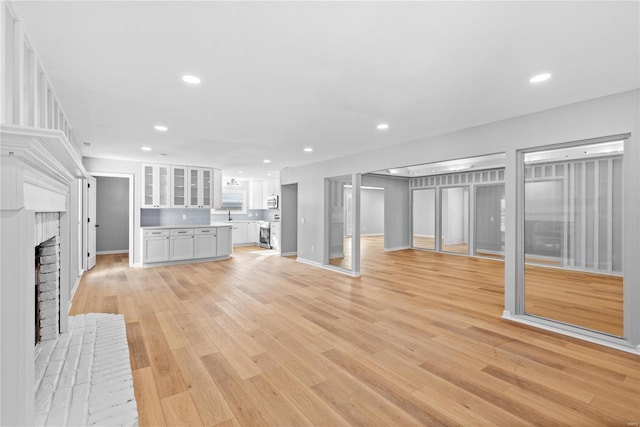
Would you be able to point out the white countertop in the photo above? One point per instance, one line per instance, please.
(166, 227)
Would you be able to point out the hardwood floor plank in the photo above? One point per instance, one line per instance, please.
(149, 407)
(137, 350)
(179, 410)
(166, 374)
(417, 340)
(206, 396)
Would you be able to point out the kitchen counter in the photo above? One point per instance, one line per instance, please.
(164, 227)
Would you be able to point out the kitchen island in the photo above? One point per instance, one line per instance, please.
(165, 245)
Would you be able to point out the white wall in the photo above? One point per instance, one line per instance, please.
(610, 115)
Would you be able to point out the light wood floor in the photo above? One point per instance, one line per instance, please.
(418, 340)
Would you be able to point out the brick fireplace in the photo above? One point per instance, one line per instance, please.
(47, 277)
(39, 204)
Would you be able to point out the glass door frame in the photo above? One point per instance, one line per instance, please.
(515, 259)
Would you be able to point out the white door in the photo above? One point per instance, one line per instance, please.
(91, 222)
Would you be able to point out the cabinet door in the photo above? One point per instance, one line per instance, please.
(240, 233)
(156, 249)
(195, 187)
(155, 186)
(223, 241)
(207, 188)
(181, 247)
(217, 189)
(179, 187)
(204, 243)
(256, 198)
(275, 236)
(254, 231)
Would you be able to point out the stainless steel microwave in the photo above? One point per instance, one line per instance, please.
(272, 202)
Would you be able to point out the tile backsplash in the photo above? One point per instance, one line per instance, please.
(171, 217)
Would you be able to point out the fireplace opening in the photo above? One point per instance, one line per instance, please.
(47, 290)
(37, 295)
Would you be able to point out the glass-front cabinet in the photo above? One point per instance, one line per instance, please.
(179, 187)
(156, 186)
(200, 187)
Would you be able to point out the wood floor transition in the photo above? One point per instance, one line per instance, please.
(417, 340)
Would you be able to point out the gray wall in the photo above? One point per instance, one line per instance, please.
(372, 212)
(397, 209)
(289, 208)
(112, 214)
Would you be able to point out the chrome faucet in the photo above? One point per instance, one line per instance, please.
(229, 215)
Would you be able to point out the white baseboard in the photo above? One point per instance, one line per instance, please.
(74, 289)
(121, 251)
(288, 253)
(372, 234)
(616, 343)
(309, 262)
(397, 248)
(328, 267)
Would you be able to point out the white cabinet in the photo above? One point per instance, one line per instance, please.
(156, 246)
(204, 243)
(183, 244)
(179, 187)
(156, 185)
(254, 233)
(275, 235)
(180, 244)
(240, 233)
(270, 187)
(217, 189)
(223, 241)
(256, 196)
(200, 182)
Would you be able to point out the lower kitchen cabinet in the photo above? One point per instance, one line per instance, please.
(204, 243)
(240, 233)
(156, 246)
(181, 244)
(223, 243)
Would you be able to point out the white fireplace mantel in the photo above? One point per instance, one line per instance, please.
(38, 165)
(38, 169)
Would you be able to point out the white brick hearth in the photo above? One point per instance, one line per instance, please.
(84, 376)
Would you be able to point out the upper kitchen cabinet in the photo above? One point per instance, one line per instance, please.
(201, 185)
(180, 196)
(156, 185)
(271, 187)
(257, 197)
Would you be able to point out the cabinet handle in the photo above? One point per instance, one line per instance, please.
(156, 232)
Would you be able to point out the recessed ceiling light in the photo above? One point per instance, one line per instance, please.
(239, 171)
(268, 174)
(383, 126)
(540, 78)
(267, 161)
(308, 149)
(146, 148)
(161, 128)
(191, 79)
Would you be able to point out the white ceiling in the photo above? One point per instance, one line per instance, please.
(281, 76)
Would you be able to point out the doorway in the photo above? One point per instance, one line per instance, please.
(112, 223)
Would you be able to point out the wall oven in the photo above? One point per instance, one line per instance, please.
(265, 235)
